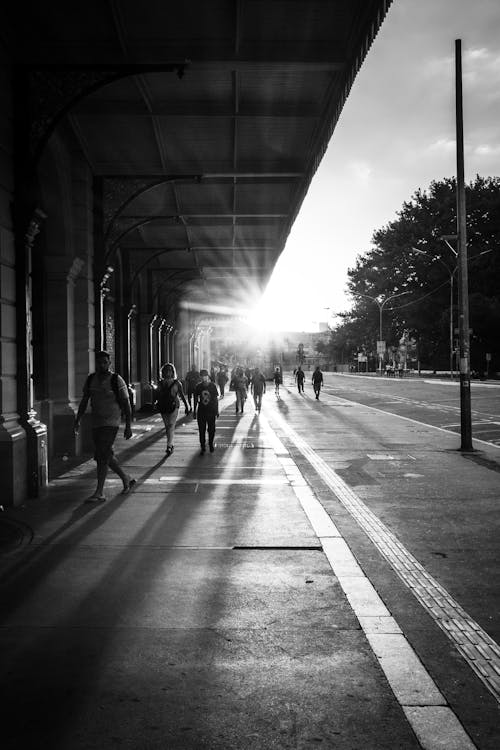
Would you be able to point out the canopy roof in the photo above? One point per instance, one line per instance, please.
(206, 121)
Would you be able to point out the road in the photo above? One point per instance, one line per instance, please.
(430, 402)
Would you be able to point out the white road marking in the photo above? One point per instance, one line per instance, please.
(415, 421)
(477, 648)
(410, 682)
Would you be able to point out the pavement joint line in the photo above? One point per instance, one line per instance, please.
(201, 480)
(408, 678)
(429, 589)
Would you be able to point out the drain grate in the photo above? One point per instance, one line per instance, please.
(14, 534)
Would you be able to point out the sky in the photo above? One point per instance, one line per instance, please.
(396, 134)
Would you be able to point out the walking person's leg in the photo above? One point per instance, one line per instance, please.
(202, 426)
(170, 420)
(211, 432)
(104, 438)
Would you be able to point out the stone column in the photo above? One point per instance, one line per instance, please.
(36, 431)
(145, 360)
(13, 486)
(62, 390)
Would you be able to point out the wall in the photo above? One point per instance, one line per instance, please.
(12, 437)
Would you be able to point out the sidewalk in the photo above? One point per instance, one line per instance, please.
(220, 606)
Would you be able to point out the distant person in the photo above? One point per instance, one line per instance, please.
(258, 387)
(108, 396)
(300, 377)
(240, 389)
(277, 381)
(169, 392)
(222, 380)
(317, 381)
(206, 410)
(192, 379)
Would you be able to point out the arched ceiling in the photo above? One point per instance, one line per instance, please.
(215, 118)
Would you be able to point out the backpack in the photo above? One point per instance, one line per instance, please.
(114, 386)
(166, 402)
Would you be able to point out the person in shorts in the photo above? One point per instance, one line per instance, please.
(277, 380)
(108, 396)
(169, 392)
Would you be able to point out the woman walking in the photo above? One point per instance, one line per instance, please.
(169, 392)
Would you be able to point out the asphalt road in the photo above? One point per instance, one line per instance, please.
(430, 402)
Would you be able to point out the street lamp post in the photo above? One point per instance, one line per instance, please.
(381, 306)
(451, 273)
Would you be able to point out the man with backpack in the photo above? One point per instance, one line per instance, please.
(108, 396)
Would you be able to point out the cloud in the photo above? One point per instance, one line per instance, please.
(435, 67)
(442, 145)
(484, 149)
(361, 171)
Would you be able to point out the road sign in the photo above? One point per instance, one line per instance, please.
(488, 357)
(380, 347)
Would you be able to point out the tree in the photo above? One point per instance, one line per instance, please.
(393, 266)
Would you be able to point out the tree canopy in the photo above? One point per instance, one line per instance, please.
(411, 263)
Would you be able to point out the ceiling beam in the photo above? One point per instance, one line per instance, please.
(127, 108)
(186, 215)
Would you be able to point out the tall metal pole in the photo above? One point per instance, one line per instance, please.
(451, 324)
(464, 341)
(380, 337)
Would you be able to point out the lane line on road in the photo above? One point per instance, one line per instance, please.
(414, 421)
(477, 648)
(433, 721)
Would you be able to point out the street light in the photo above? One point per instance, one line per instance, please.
(381, 306)
(451, 274)
(446, 238)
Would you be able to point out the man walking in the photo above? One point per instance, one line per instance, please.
(108, 396)
(192, 379)
(299, 377)
(258, 387)
(317, 381)
(206, 410)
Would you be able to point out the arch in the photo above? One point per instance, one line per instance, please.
(53, 92)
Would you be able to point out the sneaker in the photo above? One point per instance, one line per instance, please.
(202, 452)
(170, 450)
(212, 448)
